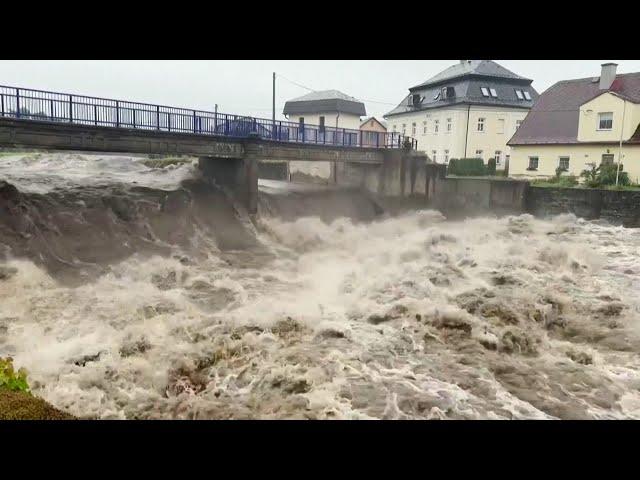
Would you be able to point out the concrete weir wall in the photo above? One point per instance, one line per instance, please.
(474, 195)
(399, 175)
(617, 207)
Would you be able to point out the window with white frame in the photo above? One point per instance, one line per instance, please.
(518, 123)
(533, 163)
(563, 163)
(498, 157)
(500, 126)
(478, 153)
(526, 95)
(485, 91)
(449, 124)
(605, 121)
(424, 127)
(446, 156)
(493, 92)
(481, 124)
(404, 129)
(519, 94)
(413, 129)
(436, 126)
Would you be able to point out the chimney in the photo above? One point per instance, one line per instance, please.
(607, 75)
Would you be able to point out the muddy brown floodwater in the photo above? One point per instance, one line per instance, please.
(159, 299)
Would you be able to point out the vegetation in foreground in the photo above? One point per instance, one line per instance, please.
(602, 177)
(16, 400)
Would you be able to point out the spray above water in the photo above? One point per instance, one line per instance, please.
(194, 314)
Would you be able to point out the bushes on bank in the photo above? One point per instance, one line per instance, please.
(467, 167)
(605, 175)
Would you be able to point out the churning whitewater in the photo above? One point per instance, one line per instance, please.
(133, 289)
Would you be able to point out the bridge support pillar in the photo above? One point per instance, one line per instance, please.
(238, 175)
(392, 174)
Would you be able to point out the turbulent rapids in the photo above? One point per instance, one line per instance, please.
(134, 289)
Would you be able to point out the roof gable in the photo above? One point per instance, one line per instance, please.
(367, 120)
(555, 116)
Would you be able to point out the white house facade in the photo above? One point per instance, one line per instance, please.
(328, 108)
(469, 110)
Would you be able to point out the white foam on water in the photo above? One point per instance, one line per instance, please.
(402, 318)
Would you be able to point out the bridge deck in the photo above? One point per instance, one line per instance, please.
(64, 108)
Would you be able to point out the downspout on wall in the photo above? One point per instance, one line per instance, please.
(466, 137)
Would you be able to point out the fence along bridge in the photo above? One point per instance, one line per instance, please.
(39, 105)
(61, 121)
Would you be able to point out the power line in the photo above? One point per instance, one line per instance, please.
(312, 90)
(295, 83)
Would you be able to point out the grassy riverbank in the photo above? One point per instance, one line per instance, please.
(16, 400)
(24, 406)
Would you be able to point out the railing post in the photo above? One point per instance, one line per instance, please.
(133, 110)
(157, 117)
(2, 102)
(95, 115)
(17, 103)
(117, 114)
(53, 113)
(377, 139)
(343, 142)
(280, 132)
(70, 108)
(169, 121)
(194, 121)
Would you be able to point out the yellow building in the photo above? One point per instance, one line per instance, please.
(471, 109)
(579, 123)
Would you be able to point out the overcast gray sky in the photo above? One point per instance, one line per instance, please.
(244, 86)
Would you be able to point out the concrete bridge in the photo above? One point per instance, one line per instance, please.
(230, 147)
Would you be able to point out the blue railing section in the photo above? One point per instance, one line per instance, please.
(29, 104)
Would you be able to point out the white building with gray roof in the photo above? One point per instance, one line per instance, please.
(470, 109)
(330, 108)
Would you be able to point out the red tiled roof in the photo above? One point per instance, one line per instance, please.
(554, 117)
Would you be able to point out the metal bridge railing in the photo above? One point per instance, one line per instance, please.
(29, 104)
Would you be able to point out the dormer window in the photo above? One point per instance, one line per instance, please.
(526, 95)
(494, 94)
(485, 91)
(605, 121)
(519, 94)
(437, 95)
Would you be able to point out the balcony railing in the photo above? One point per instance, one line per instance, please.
(28, 104)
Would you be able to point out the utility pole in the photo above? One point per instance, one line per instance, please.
(273, 111)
